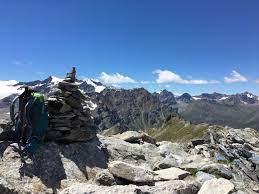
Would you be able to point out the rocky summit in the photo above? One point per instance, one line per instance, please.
(225, 161)
(69, 116)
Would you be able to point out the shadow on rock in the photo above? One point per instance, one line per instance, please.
(86, 155)
(56, 162)
(3, 147)
(47, 166)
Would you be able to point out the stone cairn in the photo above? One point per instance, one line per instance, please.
(69, 117)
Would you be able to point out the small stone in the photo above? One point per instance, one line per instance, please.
(105, 178)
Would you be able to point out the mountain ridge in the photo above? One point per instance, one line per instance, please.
(214, 108)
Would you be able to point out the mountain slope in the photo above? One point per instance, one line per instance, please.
(137, 109)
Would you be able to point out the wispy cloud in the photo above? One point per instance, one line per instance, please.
(166, 76)
(20, 63)
(145, 82)
(257, 81)
(116, 78)
(235, 77)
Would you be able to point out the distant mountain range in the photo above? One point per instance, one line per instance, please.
(117, 110)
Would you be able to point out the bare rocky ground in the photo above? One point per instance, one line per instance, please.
(225, 161)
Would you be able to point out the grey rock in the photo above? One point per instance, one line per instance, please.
(166, 163)
(130, 172)
(168, 187)
(145, 155)
(240, 166)
(218, 169)
(202, 177)
(171, 174)
(105, 178)
(71, 77)
(203, 149)
(135, 137)
(217, 186)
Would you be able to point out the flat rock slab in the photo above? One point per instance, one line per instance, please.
(171, 174)
(167, 187)
(217, 186)
(131, 172)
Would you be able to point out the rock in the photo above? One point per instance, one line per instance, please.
(145, 155)
(85, 188)
(175, 150)
(135, 137)
(255, 161)
(172, 187)
(218, 169)
(6, 187)
(171, 174)
(105, 178)
(130, 172)
(217, 186)
(166, 163)
(196, 142)
(226, 152)
(203, 149)
(65, 108)
(65, 86)
(240, 166)
(202, 177)
(71, 77)
(168, 187)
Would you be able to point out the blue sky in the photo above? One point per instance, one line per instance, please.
(183, 46)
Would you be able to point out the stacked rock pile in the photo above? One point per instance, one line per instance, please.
(69, 117)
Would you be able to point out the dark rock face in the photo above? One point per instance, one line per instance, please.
(69, 117)
(187, 98)
(135, 109)
(166, 97)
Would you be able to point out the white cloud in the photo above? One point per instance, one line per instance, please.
(257, 81)
(235, 77)
(7, 88)
(165, 76)
(115, 78)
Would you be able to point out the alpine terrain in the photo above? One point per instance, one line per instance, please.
(107, 140)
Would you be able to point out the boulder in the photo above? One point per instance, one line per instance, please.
(53, 168)
(217, 186)
(171, 174)
(145, 155)
(130, 172)
(218, 169)
(167, 162)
